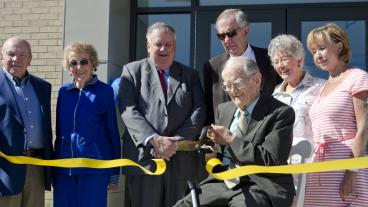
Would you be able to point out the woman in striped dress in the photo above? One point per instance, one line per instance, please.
(339, 121)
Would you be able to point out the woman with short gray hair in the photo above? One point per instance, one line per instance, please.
(299, 89)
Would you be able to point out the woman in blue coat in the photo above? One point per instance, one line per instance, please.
(85, 128)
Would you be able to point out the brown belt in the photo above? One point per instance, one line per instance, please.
(35, 152)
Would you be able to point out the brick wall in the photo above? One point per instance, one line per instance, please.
(41, 23)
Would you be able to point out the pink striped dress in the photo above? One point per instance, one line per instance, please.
(334, 129)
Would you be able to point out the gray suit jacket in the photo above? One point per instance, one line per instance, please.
(267, 142)
(145, 112)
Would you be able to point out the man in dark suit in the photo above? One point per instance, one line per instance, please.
(25, 125)
(233, 28)
(252, 129)
(161, 102)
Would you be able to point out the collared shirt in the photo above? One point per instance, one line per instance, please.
(29, 108)
(301, 99)
(234, 123)
(250, 53)
(115, 86)
(91, 82)
(233, 129)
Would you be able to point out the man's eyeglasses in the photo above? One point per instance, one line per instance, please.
(284, 61)
(74, 63)
(237, 84)
(230, 34)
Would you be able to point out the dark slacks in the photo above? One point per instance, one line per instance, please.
(155, 191)
(218, 194)
(164, 190)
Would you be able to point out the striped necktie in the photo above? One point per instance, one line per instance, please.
(242, 123)
(240, 131)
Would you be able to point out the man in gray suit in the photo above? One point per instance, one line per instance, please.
(161, 102)
(252, 129)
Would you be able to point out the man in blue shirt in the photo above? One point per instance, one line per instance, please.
(25, 125)
(115, 86)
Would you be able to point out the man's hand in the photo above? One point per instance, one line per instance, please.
(219, 134)
(164, 147)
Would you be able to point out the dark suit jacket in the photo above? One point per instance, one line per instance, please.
(145, 112)
(212, 80)
(267, 142)
(12, 140)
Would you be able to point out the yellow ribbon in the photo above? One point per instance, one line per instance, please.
(84, 162)
(343, 164)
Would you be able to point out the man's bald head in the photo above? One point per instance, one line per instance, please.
(16, 56)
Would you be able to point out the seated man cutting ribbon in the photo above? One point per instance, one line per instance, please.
(252, 129)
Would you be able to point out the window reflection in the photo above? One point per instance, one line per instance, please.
(181, 24)
(163, 3)
(356, 34)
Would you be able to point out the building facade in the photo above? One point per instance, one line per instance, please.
(117, 28)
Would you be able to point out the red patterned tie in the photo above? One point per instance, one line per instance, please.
(163, 82)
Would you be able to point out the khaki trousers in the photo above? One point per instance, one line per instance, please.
(33, 194)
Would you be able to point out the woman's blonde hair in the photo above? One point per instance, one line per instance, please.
(330, 33)
(81, 47)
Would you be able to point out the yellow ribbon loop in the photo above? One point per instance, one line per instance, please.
(343, 164)
(84, 162)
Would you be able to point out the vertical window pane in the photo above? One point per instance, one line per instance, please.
(260, 35)
(356, 32)
(180, 22)
(163, 3)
